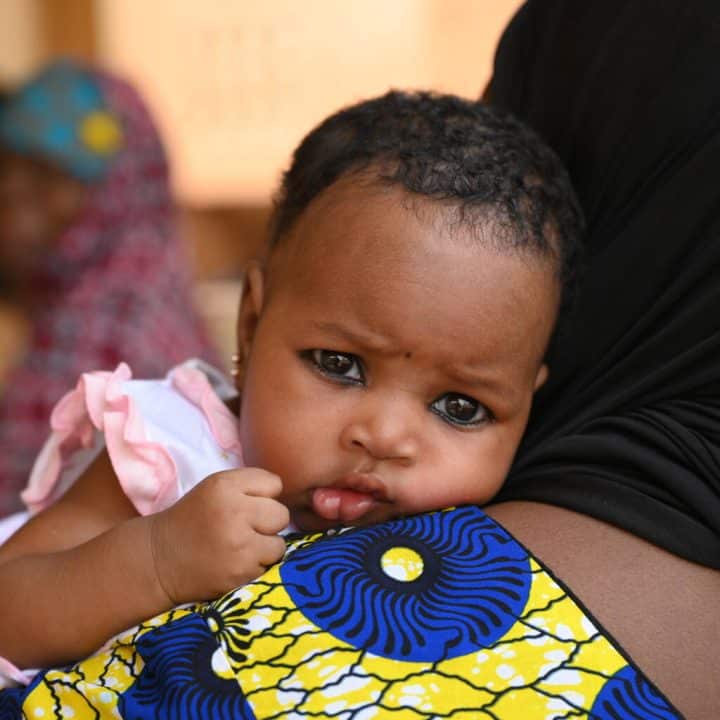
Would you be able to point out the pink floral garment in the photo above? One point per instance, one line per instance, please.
(117, 287)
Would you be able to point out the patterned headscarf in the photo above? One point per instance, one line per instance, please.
(116, 285)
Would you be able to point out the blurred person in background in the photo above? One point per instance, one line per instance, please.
(89, 250)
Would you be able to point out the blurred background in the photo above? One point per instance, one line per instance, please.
(235, 84)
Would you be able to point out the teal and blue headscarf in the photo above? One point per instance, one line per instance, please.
(61, 116)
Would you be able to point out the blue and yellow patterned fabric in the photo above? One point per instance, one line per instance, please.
(441, 615)
(61, 115)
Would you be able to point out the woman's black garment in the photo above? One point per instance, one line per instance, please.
(627, 428)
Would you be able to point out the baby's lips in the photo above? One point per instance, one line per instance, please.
(340, 504)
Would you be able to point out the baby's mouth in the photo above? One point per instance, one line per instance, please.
(347, 504)
(341, 505)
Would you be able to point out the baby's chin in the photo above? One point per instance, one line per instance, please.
(303, 522)
(307, 521)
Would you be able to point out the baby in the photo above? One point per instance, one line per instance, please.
(389, 346)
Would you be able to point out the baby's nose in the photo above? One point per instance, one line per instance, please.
(387, 428)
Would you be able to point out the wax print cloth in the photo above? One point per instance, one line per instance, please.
(442, 615)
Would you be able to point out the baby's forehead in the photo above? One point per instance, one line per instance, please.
(363, 215)
(384, 261)
(361, 242)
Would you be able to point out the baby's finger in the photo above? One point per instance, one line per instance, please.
(271, 549)
(260, 483)
(268, 517)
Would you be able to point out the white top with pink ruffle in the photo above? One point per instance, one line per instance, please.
(163, 437)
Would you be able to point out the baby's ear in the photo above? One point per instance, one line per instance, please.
(541, 377)
(251, 302)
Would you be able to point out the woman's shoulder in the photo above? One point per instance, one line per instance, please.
(661, 609)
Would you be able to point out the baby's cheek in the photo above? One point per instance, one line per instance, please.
(251, 435)
(475, 475)
(266, 447)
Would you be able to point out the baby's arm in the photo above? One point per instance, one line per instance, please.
(89, 566)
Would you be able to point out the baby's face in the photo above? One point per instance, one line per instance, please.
(392, 365)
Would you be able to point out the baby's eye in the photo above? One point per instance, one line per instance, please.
(343, 366)
(460, 409)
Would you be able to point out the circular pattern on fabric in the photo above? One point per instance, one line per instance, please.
(630, 696)
(61, 115)
(100, 132)
(474, 583)
(184, 676)
(227, 622)
(402, 563)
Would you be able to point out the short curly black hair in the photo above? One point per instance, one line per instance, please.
(448, 149)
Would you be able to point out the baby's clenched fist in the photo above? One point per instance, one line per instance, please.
(221, 535)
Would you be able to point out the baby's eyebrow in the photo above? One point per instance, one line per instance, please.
(481, 379)
(369, 340)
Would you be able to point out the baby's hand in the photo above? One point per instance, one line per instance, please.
(221, 535)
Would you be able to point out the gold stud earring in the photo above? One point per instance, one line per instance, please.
(235, 370)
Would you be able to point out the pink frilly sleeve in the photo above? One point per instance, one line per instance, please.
(100, 406)
(145, 469)
(194, 385)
